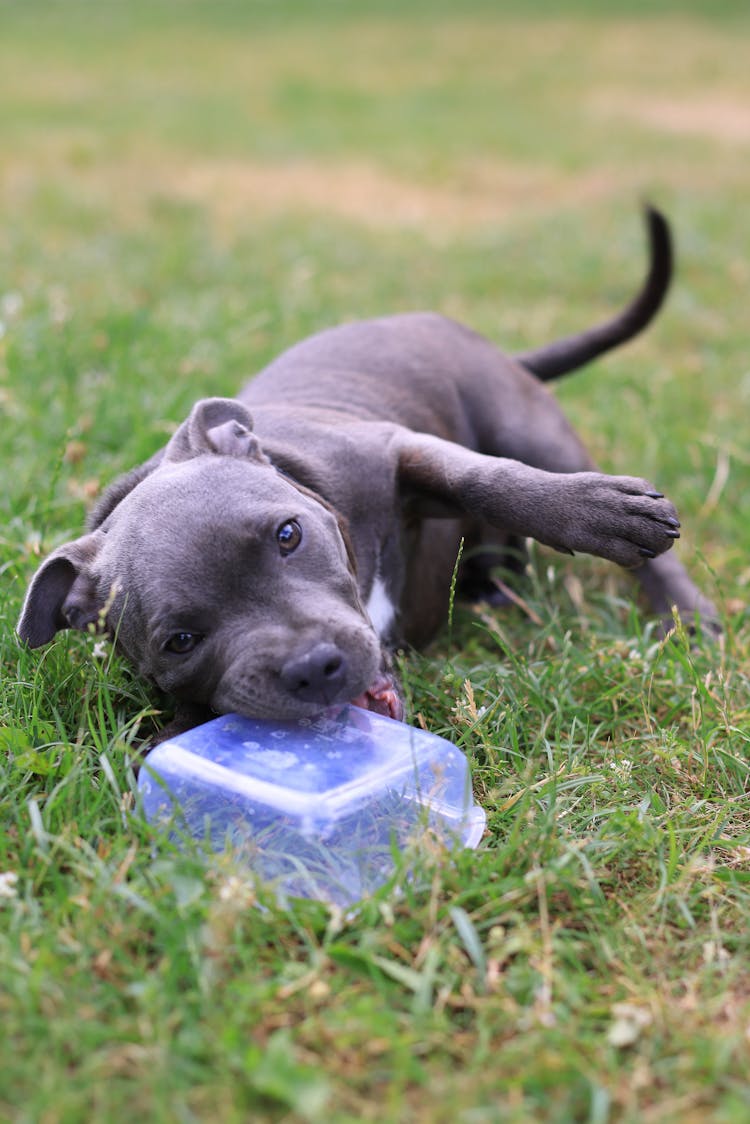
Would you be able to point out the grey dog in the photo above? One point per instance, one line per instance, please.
(268, 562)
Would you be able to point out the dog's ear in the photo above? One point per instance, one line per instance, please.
(215, 425)
(62, 593)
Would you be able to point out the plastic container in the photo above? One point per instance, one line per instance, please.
(320, 807)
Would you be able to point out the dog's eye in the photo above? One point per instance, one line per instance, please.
(289, 536)
(182, 643)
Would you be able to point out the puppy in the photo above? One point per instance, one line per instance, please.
(268, 559)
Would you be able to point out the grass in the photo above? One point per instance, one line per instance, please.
(188, 188)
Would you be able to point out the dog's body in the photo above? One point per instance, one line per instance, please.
(284, 541)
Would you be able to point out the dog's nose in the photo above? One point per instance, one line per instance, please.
(316, 675)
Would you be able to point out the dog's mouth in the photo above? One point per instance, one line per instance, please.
(382, 697)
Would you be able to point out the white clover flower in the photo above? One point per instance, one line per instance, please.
(622, 768)
(8, 884)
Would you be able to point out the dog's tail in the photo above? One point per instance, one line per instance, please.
(561, 356)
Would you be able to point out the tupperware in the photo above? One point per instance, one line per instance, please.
(320, 807)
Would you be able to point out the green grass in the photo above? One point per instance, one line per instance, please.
(186, 189)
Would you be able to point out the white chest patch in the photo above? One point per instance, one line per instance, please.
(380, 607)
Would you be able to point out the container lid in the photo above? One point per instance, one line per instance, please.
(323, 765)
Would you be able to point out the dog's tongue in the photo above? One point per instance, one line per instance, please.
(383, 698)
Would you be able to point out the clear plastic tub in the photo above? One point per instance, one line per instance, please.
(319, 807)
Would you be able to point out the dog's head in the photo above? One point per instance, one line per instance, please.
(220, 578)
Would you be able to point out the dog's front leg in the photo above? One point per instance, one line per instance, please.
(621, 518)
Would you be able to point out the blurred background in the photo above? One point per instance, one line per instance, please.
(189, 186)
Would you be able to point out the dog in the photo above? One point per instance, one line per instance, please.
(269, 559)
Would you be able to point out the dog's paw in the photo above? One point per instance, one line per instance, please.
(621, 518)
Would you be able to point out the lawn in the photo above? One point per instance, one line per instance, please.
(188, 187)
